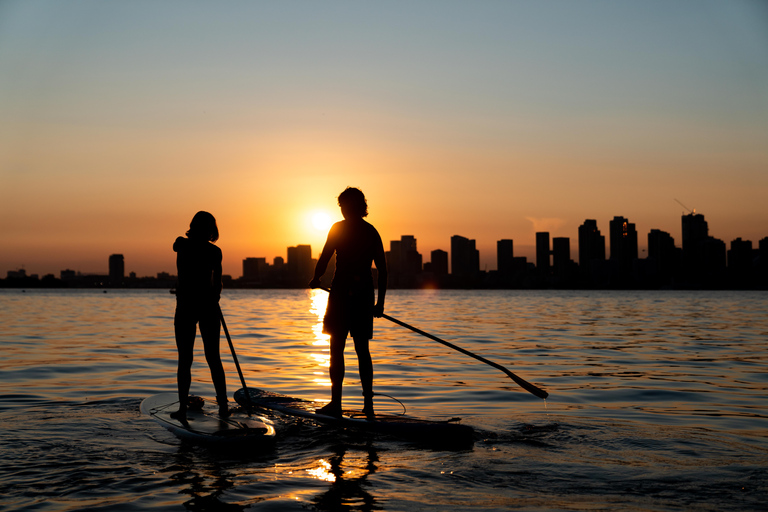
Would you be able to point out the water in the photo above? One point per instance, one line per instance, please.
(657, 402)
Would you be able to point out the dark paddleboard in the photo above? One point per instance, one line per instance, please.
(205, 425)
(406, 427)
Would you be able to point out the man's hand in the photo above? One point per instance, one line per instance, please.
(315, 283)
(378, 310)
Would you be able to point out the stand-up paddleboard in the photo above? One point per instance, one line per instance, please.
(204, 425)
(406, 427)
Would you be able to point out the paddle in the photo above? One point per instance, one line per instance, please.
(237, 364)
(520, 382)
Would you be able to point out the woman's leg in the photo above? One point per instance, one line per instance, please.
(185, 330)
(210, 330)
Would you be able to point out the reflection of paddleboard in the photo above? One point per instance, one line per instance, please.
(205, 425)
(437, 432)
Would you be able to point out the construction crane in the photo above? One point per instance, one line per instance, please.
(689, 210)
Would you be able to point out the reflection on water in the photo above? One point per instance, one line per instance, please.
(657, 402)
(323, 471)
(318, 303)
(348, 471)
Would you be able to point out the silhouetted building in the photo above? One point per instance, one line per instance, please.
(404, 263)
(592, 264)
(543, 253)
(116, 269)
(623, 239)
(561, 255)
(465, 258)
(714, 259)
(695, 230)
(704, 257)
(591, 243)
(439, 260)
(17, 274)
(740, 257)
(254, 270)
(505, 257)
(299, 265)
(663, 258)
(661, 245)
(762, 262)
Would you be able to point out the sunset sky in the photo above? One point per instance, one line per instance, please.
(490, 120)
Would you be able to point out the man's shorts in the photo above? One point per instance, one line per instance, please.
(350, 313)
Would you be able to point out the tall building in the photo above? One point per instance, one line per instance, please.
(299, 264)
(740, 257)
(543, 252)
(762, 262)
(561, 255)
(661, 245)
(663, 257)
(116, 269)
(465, 258)
(404, 262)
(623, 240)
(591, 243)
(505, 257)
(704, 257)
(439, 260)
(695, 231)
(254, 269)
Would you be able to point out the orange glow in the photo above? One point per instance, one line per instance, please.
(321, 221)
(322, 360)
(322, 471)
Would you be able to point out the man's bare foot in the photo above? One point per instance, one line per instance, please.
(330, 409)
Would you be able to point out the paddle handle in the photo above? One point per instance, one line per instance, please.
(234, 356)
(520, 382)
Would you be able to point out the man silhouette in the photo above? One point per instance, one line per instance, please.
(351, 307)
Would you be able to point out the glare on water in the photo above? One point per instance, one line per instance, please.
(657, 402)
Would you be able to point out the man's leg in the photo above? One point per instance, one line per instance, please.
(365, 365)
(336, 371)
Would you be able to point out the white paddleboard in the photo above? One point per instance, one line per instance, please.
(205, 425)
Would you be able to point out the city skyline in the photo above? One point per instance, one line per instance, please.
(621, 244)
(492, 120)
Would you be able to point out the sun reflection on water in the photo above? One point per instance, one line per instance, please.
(322, 359)
(323, 471)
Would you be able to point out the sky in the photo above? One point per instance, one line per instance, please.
(490, 120)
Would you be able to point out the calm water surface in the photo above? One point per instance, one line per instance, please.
(657, 402)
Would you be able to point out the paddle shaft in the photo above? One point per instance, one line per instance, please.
(520, 382)
(234, 356)
(536, 391)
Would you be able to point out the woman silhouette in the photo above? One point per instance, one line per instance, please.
(350, 309)
(198, 263)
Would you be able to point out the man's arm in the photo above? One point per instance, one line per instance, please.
(380, 260)
(325, 257)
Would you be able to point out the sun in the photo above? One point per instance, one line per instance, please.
(321, 221)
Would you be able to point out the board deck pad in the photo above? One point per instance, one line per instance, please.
(205, 425)
(407, 427)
